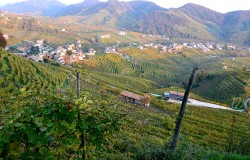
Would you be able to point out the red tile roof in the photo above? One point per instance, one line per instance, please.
(132, 95)
(176, 93)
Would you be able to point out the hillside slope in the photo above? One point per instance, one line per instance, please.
(229, 27)
(145, 132)
(19, 75)
(172, 70)
(112, 13)
(173, 24)
(76, 8)
(37, 7)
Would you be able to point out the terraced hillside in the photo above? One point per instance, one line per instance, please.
(149, 129)
(19, 75)
(169, 69)
(143, 130)
(223, 87)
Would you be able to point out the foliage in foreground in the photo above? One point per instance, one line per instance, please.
(187, 151)
(51, 128)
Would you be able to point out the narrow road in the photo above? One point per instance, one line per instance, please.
(246, 104)
(194, 102)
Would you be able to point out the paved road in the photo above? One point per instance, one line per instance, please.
(194, 102)
(246, 104)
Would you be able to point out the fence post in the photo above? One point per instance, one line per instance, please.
(182, 110)
(78, 85)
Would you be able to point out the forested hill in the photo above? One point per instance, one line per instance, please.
(194, 21)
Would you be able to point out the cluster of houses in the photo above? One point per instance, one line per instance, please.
(162, 48)
(110, 50)
(5, 16)
(176, 47)
(67, 54)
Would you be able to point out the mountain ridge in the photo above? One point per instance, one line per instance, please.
(190, 21)
(37, 7)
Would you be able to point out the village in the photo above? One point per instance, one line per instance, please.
(68, 54)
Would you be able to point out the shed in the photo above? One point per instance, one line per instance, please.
(132, 97)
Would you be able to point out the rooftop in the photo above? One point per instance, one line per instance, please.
(132, 95)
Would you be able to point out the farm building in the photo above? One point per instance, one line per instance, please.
(104, 36)
(173, 95)
(135, 98)
(6, 36)
(122, 33)
(91, 52)
(177, 47)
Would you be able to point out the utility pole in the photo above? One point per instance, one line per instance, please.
(182, 110)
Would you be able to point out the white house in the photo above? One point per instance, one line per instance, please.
(6, 36)
(40, 41)
(178, 47)
(110, 50)
(122, 33)
(104, 36)
(148, 45)
(91, 52)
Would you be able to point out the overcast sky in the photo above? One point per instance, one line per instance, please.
(218, 5)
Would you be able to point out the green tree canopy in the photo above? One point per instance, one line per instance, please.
(3, 42)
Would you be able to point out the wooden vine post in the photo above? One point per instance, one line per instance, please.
(78, 85)
(82, 145)
(182, 110)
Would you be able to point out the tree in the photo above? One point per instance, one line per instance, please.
(34, 50)
(147, 100)
(69, 52)
(3, 42)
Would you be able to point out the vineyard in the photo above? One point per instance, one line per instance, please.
(142, 129)
(35, 97)
(152, 127)
(19, 75)
(168, 70)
